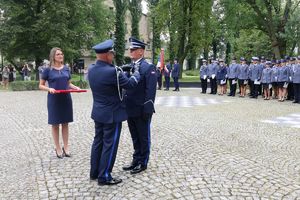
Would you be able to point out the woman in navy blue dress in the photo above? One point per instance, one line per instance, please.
(60, 111)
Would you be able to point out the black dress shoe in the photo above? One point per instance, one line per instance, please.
(229, 95)
(139, 168)
(93, 178)
(113, 181)
(66, 154)
(129, 167)
(60, 156)
(295, 101)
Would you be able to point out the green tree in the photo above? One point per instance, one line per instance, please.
(31, 28)
(183, 21)
(121, 6)
(271, 17)
(135, 9)
(155, 30)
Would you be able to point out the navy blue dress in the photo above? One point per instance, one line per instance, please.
(59, 106)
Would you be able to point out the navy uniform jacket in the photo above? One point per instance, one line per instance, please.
(266, 75)
(232, 72)
(243, 71)
(256, 72)
(290, 67)
(283, 74)
(167, 73)
(107, 106)
(296, 73)
(222, 72)
(140, 100)
(203, 71)
(175, 71)
(274, 74)
(212, 69)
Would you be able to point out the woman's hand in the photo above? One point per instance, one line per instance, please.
(51, 90)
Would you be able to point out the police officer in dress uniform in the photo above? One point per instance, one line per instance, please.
(140, 107)
(159, 77)
(106, 82)
(290, 89)
(242, 76)
(204, 76)
(232, 74)
(167, 71)
(175, 74)
(255, 77)
(212, 73)
(296, 80)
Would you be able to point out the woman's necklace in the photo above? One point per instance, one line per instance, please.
(59, 69)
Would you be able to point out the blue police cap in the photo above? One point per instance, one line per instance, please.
(255, 58)
(298, 57)
(278, 62)
(204, 60)
(136, 44)
(242, 59)
(104, 47)
(268, 63)
(282, 60)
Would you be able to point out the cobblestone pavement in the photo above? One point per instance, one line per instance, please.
(213, 151)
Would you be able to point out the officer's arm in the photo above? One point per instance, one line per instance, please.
(150, 91)
(126, 82)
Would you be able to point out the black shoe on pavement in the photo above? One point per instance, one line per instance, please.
(113, 181)
(139, 168)
(129, 167)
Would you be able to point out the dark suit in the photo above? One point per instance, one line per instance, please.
(108, 113)
(140, 107)
(175, 75)
(167, 72)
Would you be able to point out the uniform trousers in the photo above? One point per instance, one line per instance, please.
(256, 89)
(140, 134)
(159, 82)
(251, 87)
(296, 87)
(176, 83)
(213, 86)
(232, 87)
(104, 150)
(204, 85)
(167, 82)
(290, 91)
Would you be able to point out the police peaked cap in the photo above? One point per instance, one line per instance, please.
(136, 44)
(104, 47)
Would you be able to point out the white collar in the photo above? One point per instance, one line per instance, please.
(137, 61)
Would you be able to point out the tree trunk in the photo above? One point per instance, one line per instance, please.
(215, 48)
(205, 53)
(275, 47)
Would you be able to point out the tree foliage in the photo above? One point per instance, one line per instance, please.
(185, 22)
(135, 9)
(269, 16)
(121, 7)
(31, 28)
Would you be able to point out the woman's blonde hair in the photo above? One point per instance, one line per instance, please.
(52, 55)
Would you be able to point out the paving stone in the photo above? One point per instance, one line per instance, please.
(207, 147)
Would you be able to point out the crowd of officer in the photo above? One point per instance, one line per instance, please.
(277, 79)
